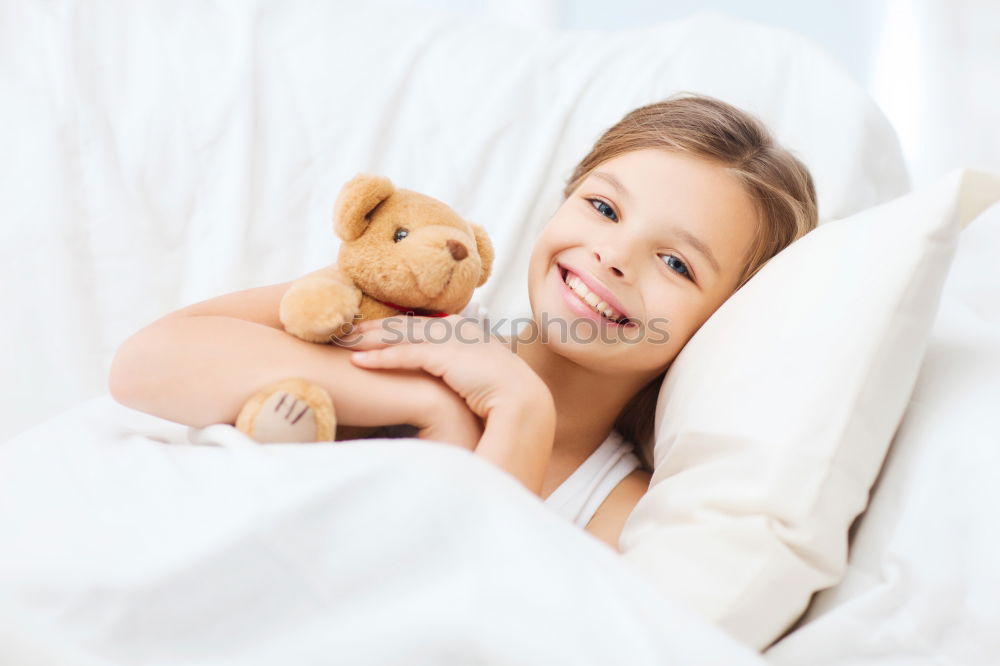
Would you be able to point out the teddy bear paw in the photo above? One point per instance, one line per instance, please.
(292, 410)
(325, 329)
(319, 308)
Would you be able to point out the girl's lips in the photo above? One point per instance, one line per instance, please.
(595, 287)
(578, 306)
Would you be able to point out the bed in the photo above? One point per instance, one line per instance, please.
(158, 154)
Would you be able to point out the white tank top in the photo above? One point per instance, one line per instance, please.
(579, 496)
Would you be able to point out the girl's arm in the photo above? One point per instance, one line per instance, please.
(519, 435)
(198, 365)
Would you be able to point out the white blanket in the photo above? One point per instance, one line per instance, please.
(121, 542)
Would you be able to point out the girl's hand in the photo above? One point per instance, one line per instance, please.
(477, 366)
(444, 417)
(496, 384)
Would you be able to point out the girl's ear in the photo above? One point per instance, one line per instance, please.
(485, 248)
(357, 199)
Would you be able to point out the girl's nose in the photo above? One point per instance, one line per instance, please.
(605, 259)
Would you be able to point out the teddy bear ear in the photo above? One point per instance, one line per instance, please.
(485, 247)
(357, 199)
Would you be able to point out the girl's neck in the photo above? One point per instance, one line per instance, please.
(587, 402)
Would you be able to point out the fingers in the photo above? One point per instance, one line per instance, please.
(403, 357)
(368, 334)
(362, 342)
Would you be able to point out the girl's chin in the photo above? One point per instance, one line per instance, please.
(584, 336)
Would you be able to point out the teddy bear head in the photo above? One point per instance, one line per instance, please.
(407, 248)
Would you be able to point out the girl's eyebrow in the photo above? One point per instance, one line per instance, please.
(699, 245)
(612, 181)
(680, 232)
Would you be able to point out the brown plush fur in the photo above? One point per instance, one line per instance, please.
(435, 267)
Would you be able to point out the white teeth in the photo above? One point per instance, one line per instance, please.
(589, 297)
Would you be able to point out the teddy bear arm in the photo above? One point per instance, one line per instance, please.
(318, 305)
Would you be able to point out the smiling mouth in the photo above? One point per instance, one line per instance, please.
(591, 300)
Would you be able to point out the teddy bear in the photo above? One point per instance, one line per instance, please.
(401, 252)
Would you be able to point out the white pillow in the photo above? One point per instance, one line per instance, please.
(773, 421)
(923, 563)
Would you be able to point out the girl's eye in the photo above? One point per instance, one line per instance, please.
(400, 234)
(679, 266)
(604, 209)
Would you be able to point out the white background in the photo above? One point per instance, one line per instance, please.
(932, 65)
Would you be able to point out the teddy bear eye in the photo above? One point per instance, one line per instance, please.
(400, 234)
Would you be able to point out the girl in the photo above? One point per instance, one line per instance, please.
(674, 209)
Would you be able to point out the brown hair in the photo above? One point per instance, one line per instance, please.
(778, 183)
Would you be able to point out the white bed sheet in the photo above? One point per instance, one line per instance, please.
(122, 543)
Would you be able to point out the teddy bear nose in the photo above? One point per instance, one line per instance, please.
(458, 251)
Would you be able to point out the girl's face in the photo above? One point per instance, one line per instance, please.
(654, 239)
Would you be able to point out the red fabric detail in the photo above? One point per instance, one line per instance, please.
(419, 312)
